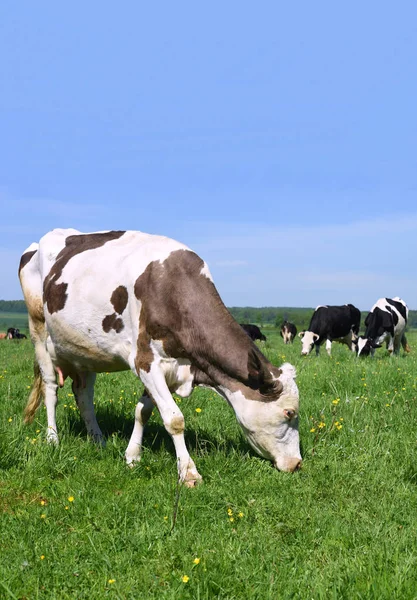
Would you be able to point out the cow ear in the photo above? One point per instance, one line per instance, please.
(260, 377)
(301, 334)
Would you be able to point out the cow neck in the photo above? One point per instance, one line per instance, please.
(182, 308)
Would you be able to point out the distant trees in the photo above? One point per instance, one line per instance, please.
(272, 315)
(15, 306)
(265, 315)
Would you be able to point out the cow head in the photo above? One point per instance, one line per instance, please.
(366, 346)
(271, 428)
(308, 340)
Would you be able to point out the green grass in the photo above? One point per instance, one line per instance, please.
(13, 319)
(343, 527)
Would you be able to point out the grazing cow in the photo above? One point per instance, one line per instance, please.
(119, 300)
(288, 332)
(387, 321)
(253, 332)
(14, 334)
(331, 323)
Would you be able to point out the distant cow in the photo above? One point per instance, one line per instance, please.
(120, 300)
(14, 334)
(253, 332)
(3, 336)
(387, 321)
(288, 332)
(331, 324)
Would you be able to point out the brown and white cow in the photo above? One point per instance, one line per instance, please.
(118, 300)
(3, 336)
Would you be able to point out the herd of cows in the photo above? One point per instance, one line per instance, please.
(386, 321)
(126, 300)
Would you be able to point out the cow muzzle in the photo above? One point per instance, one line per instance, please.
(289, 464)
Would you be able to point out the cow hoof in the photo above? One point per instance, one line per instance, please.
(99, 440)
(192, 479)
(192, 483)
(132, 461)
(52, 437)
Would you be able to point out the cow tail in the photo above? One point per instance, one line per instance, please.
(35, 396)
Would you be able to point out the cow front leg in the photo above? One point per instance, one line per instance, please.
(329, 347)
(83, 390)
(143, 412)
(154, 382)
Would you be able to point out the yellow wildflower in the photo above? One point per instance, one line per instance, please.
(336, 402)
(312, 430)
(42, 557)
(240, 514)
(198, 410)
(185, 579)
(70, 498)
(112, 581)
(43, 516)
(196, 561)
(321, 425)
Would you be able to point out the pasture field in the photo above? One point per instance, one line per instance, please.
(14, 319)
(77, 523)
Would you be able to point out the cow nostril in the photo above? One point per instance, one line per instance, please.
(289, 413)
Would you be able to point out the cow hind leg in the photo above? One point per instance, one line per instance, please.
(44, 384)
(404, 344)
(83, 390)
(154, 382)
(143, 413)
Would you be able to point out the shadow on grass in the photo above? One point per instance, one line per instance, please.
(156, 437)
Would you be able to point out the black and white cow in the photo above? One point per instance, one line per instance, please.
(253, 332)
(288, 332)
(331, 324)
(120, 300)
(386, 321)
(14, 334)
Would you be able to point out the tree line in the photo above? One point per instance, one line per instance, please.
(266, 315)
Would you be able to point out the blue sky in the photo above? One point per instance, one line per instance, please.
(278, 141)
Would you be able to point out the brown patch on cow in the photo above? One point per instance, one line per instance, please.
(113, 322)
(182, 308)
(119, 299)
(25, 259)
(144, 355)
(55, 295)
